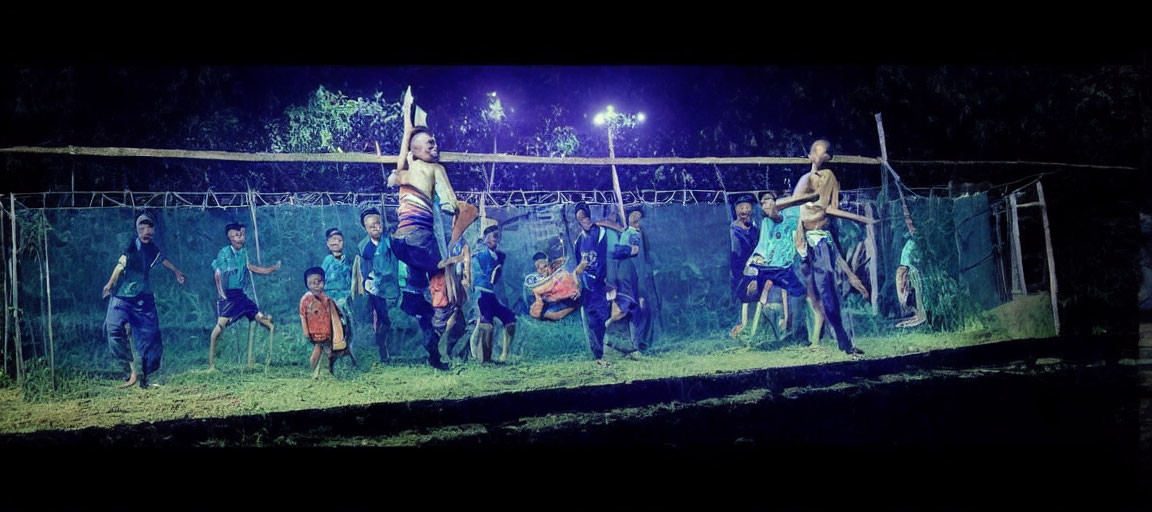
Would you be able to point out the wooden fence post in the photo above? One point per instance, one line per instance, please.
(1018, 286)
(870, 250)
(1051, 258)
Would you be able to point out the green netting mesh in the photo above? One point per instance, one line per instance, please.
(688, 248)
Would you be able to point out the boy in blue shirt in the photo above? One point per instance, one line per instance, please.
(486, 266)
(133, 304)
(773, 260)
(230, 270)
(377, 273)
(592, 244)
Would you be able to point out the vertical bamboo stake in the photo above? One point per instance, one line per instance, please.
(1018, 286)
(3, 235)
(43, 318)
(616, 178)
(256, 236)
(255, 229)
(1003, 284)
(870, 250)
(19, 353)
(1051, 258)
(48, 288)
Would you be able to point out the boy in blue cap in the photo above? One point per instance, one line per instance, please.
(132, 303)
(230, 270)
(743, 235)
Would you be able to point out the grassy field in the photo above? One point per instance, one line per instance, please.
(89, 398)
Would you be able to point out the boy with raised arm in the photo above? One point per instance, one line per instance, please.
(132, 303)
(230, 270)
(419, 177)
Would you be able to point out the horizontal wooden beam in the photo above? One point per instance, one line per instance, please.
(446, 157)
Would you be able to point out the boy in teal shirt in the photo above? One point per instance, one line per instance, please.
(231, 268)
(337, 268)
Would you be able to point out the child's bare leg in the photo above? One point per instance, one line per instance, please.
(476, 342)
(509, 333)
(266, 321)
(817, 318)
(558, 315)
(615, 316)
(132, 375)
(784, 322)
(743, 320)
(760, 306)
(314, 359)
(756, 320)
(221, 323)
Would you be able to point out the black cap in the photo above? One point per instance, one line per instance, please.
(745, 198)
(582, 206)
(367, 212)
(332, 231)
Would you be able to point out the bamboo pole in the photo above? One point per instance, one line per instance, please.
(255, 229)
(15, 294)
(3, 236)
(43, 324)
(48, 288)
(616, 178)
(1003, 284)
(1018, 286)
(870, 250)
(1051, 256)
(445, 157)
(450, 157)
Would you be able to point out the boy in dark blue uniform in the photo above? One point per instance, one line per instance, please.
(486, 267)
(377, 277)
(743, 236)
(133, 304)
(592, 243)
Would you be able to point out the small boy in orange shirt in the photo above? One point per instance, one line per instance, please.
(320, 320)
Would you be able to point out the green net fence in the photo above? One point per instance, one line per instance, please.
(960, 267)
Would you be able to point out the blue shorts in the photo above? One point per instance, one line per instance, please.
(784, 277)
(491, 308)
(235, 305)
(562, 305)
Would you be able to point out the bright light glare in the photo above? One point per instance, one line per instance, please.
(640, 117)
(599, 119)
(610, 109)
